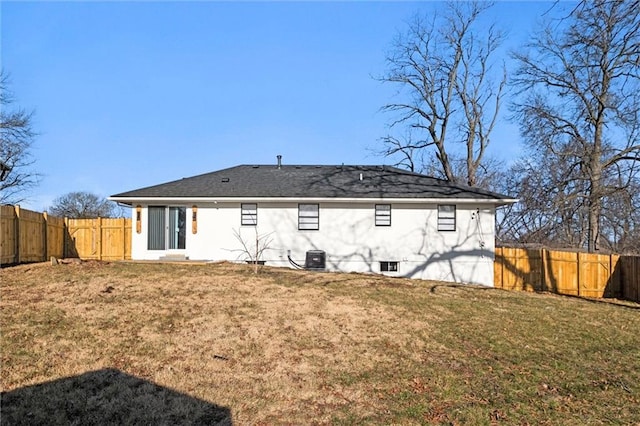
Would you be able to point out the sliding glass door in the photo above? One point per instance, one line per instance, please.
(177, 234)
(167, 228)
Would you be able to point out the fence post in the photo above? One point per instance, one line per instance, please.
(502, 263)
(65, 244)
(636, 268)
(611, 279)
(578, 273)
(17, 233)
(124, 237)
(45, 230)
(615, 279)
(99, 237)
(543, 272)
(545, 265)
(633, 281)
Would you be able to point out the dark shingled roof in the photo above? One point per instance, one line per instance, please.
(249, 181)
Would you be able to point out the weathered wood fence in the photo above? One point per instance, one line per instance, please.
(570, 273)
(27, 236)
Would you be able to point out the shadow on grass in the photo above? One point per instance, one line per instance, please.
(622, 303)
(107, 397)
(465, 287)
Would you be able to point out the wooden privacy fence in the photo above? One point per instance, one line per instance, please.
(27, 236)
(570, 273)
(100, 238)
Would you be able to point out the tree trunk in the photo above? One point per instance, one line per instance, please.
(595, 177)
(594, 226)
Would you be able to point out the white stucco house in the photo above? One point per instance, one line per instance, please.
(376, 219)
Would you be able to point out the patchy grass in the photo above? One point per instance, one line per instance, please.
(106, 343)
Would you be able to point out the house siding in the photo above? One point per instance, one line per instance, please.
(348, 235)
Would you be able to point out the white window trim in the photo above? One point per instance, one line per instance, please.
(383, 215)
(306, 221)
(447, 219)
(249, 214)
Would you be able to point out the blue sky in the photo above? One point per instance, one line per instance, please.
(131, 94)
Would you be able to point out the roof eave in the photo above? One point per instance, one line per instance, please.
(506, 201)
(169, 200)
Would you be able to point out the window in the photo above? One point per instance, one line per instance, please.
(249, 213)
(388, 266)
(308, 217)
(447, 217)
(383, 214)
(167, 228)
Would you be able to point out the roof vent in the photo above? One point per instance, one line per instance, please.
(279, 157)
(225, 180)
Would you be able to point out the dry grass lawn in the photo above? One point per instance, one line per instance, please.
(113, 343)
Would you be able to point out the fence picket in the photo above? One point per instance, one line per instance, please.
(569, 273)
(28, 236)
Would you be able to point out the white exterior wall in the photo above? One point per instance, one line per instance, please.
(349, 237)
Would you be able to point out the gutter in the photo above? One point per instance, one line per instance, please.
(215, 200)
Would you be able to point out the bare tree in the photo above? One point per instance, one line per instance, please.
(546, 214)
(410, 155)
(253, 251)
(620, 220)
(16, 139)
(451, 100)
(579, 83)
(557, 215)
(79, 205)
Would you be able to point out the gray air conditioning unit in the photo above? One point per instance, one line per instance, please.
(315, 259)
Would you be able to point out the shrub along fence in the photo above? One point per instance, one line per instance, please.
(569, 273)
(28, 236)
